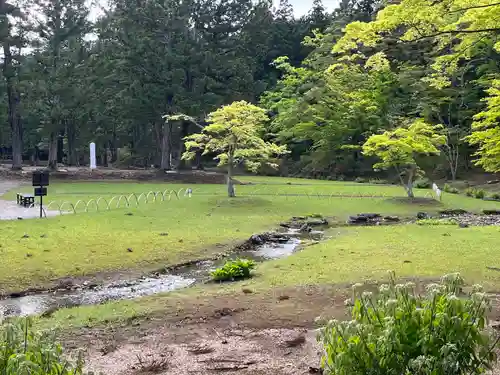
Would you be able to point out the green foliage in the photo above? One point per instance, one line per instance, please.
(400, 147)
(495, 196)
(479, 193)
(486, 131)
(450, 189)
(234, 270)
(26, 352)
(476, 193)
(437, 222)
(423, 183)
(234, 135)
(360, 180)
(470, 192)
(398, 331)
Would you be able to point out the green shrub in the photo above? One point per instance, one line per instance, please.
(360, 180)
(24, 351)
(436, 222)
(450, 189)
(422, 183)
(495, 196)
(234, 270)
(401, 332)
(470, 192)
(479, 193)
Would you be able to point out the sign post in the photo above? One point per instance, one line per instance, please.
(40, 180)
(92, 156)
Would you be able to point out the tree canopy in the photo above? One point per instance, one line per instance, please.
(147, 74)
(234, 136)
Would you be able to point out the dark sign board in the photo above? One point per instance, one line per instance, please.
(40, 178)
(40, 192)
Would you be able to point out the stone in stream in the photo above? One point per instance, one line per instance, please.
(422, 215)
(256, 240)
(364, 218)
(392, 219)
(316, 222)
(491, 212)
(453, 212)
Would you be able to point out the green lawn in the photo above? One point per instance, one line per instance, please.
(197, 227)
(351, 255)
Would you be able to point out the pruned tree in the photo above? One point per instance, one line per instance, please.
(234, 135)
(400, 148)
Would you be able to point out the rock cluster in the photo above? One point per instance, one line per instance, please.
(372, 219)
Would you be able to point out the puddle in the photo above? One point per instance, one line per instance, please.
(282, 244)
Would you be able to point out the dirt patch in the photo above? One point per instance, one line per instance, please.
(257, 333)
(419, 201)
(85, 174)
(247, 333)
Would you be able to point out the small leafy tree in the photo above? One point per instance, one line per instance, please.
(399, 332)
(234, 135)
(399, 149)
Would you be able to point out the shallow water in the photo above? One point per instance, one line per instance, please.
(182, 277)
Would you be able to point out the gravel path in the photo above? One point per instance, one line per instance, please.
(9, 210)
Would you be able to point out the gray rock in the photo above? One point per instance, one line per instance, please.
(453, 212)
(422, 215)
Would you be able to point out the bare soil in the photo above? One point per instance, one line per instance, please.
(103, 173)
(240, 334)
(248, 333)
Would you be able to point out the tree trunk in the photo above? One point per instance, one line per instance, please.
(72, 154)
(409, 182)
(52, 165)
(183, 134)
(166, 147)
(17, 141)
(198, 161)
(230, 183)
(14, 117)
(60, 147)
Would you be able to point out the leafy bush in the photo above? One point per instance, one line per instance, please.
(24, 351)
(476, 193)
(423, 183)
(437, 222)
(470, 192)
(234, 270)
(450, 189)
(400, 332)
(360, 180)
(495, 196)
(479, 193)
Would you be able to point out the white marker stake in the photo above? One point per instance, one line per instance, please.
(92, 156)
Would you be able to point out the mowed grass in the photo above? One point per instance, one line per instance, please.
(351, 255)
(36, 252)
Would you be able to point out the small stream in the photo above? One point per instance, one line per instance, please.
(275, 246)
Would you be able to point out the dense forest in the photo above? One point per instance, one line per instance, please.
(147, 73)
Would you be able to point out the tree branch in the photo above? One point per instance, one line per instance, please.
(474, 7)
(457, 32)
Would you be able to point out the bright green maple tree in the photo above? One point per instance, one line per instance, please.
(486, 132)
(234, 136)
(400, 148)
